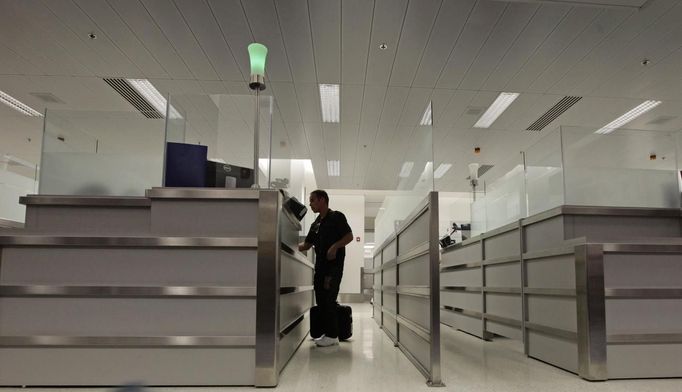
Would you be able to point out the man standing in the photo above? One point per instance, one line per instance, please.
(329, 234)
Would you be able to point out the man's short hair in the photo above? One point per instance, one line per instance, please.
(320, 194)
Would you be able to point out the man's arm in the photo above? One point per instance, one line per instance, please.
(303, 246)
(345, 240)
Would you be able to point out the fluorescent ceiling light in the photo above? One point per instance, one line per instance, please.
(441, 170)
(426, 117)
(18, 105)
(406, 170)
(498, 107)
(329, 101)
(153, 96)
(333, 168)
(629, 116)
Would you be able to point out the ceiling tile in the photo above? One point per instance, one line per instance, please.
(325, 17)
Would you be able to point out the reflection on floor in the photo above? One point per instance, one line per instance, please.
(370, 363)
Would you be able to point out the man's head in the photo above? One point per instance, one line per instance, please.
(319, 200)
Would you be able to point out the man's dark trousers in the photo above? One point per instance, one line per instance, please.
(326, 301)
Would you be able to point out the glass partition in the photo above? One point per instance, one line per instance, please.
(504, 199)
(576, 166)
(624, 168)
(224, 125)
(17, 178)
(544, 174)
(100, 153)
(405, 168)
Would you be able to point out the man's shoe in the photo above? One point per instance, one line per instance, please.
(318, 339)
(327, 341)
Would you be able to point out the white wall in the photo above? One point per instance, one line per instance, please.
(353, 206)
(12, 187)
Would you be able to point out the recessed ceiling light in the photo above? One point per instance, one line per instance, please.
(500, 104)
(627, 117)
(406, 169)
(329, 101)
(18, 105)
(153, 96)
(441, 170)
(383, 46)
(333, 168)
(426, 117)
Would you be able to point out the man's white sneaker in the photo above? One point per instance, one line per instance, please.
(318, 339)
(327, 341)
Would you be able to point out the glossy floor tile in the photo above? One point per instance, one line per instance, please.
(369, 362)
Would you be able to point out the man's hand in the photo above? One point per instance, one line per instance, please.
(331, 253)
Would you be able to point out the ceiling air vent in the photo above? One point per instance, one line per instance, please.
(553, 113)
(47, 97)
(482, 169)
(131, 95)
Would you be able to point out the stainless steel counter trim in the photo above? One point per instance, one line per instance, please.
(503, 260)
(10, 224)
(418, 211)
(384, 244)
(389, 312)
(187, 242)
(126, 291)
(417, 251)
(501, 230)
(85, 201)
(550, 292)
(643, 293)
(545, 253)
(562, 333)
(389, 264)
(645, 338)
(289, 327)
(414, 327)
(465, 312)
(556, 211)
(414, 290)
(502, 290)
(298, 256)
(127, 341)
(591, 312)
(268, 285)
(294, 289)
(462, 289)
(675, 246)
(503, 320)
(621, 211)
(203, 193)
(463, 244)
(454, 267)
(603, 211)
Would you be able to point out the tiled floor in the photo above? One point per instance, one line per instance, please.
(370, 363)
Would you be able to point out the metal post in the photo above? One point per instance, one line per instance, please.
(267, 289)
(256, 141)
(434, 295)
(591, 308)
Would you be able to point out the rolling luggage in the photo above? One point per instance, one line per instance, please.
(345, 318)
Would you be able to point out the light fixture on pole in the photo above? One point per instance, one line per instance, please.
(473, 177)
(257, 54)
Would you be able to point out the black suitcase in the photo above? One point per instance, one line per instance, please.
(345, 318)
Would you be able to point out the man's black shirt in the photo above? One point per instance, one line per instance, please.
(323, 234)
